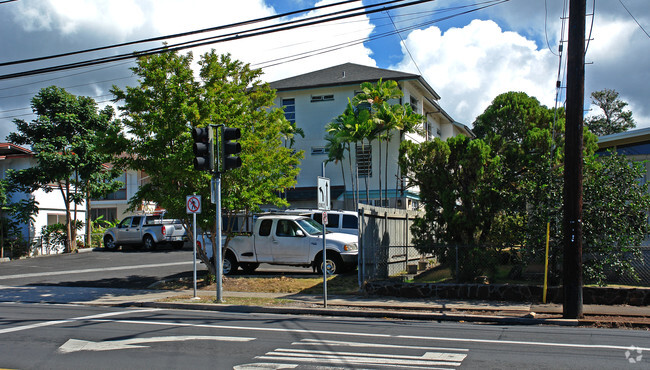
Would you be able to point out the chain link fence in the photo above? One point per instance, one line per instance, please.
(385, 243)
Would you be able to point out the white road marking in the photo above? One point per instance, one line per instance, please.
(265, 366)
(438, 356)
(372, 335)
(76, 345)
(499, 341)
(357, 360)
(64, 321)
(85, 271)
(330, 343)
(231, 327)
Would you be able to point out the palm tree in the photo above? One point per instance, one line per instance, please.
(335, 153)
(377, 96)
(347, 129)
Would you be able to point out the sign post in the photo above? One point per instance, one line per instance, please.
(323, 197)
(193, 205)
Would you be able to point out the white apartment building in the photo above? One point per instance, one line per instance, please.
(314, 99)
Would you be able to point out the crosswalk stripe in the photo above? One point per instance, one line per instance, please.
(354, 360)
(316, 342)
(440, 356)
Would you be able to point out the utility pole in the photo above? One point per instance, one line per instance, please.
(572, 269)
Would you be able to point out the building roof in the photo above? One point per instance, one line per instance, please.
(8, 149)
(346, 74)
(624, 138)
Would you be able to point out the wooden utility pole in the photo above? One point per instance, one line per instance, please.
(572, 271)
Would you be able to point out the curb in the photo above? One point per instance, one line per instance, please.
(384, 314)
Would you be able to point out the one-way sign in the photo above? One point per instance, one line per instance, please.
(323, 193)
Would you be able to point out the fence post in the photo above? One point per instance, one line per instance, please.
(457, 274)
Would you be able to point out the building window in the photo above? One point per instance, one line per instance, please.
(364, 160)
(107, 214)
(317, 98)
(289, 109)
(55, 218)
(119, 194)
(415, 104)
(318, 150)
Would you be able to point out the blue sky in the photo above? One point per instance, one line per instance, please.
(467, 59)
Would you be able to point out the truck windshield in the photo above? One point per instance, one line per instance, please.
(310, 226)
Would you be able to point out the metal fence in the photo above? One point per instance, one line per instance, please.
(385, 243)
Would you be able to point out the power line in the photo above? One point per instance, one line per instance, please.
(282, 60)
(331, 48)
(637, 22)
(177, 35)
(221, 38)
(404, 43)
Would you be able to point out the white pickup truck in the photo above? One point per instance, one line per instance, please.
(145, 230)
(290, 240)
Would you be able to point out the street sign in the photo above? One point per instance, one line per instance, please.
(193, 203)
(323, 195)
(324, 218)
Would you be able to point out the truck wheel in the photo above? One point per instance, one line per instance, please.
(109, 243)
(229, 264)
(148, 242)
(334, 264)
(249, 267)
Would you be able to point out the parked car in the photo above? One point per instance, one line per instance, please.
(147, 231)
(292, 240)
(346, 222)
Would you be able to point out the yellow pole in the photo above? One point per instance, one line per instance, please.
(548, 232)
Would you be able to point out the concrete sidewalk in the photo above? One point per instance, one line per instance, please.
(507, 313)
(387, 307)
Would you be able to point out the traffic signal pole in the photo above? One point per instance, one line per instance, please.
(218, 259)
(216, 160)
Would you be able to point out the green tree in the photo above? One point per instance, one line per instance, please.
(66, 139)
(615, 198)
(614, 118)
(13, 215)
(160, 113)
(459, 182)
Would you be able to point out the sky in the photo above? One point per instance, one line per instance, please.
(467, 58)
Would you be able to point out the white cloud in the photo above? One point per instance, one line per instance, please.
(470, 66)
(73, 17)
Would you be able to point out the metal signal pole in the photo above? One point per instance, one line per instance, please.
(572, 269)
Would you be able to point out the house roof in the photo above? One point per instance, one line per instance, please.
(8, 149)
(346, 74)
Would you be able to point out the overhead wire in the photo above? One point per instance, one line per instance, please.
(637, 22)
(217, 39)
(333, 47)
(404, 43)
(323, 50)
(177, 35)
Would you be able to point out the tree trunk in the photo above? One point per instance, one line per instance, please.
(386, 171)
(88, 225)
(381, 203)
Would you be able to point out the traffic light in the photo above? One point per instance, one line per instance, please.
(203, 148)
(230, 149)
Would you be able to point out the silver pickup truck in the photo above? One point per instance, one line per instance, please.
(147, 231)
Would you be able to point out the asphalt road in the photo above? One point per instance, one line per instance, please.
(74, 337)
(128, 269)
